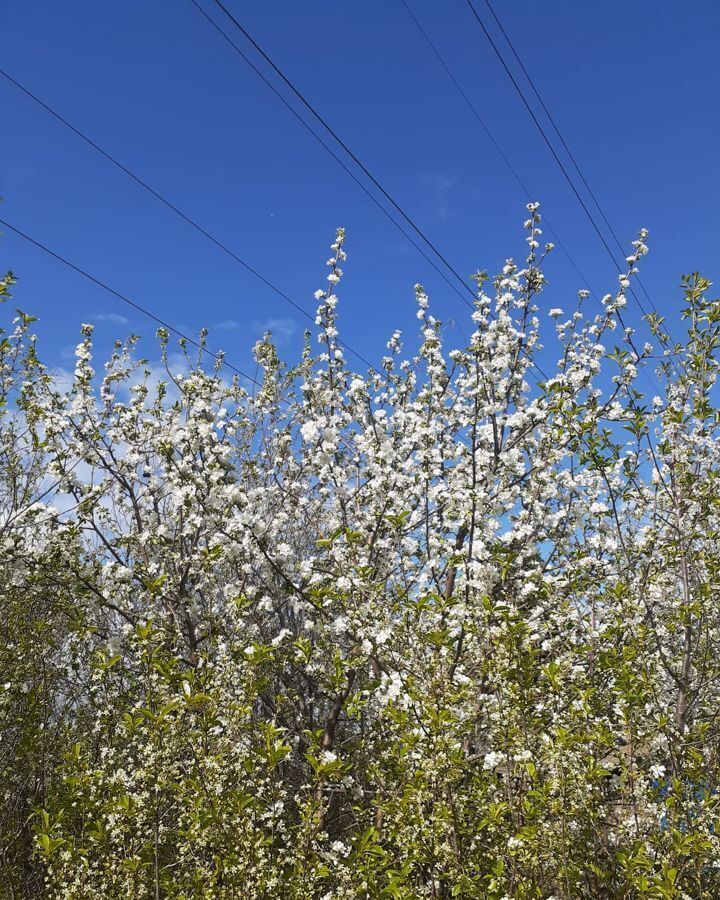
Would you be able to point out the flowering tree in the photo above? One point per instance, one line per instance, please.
(437, 630)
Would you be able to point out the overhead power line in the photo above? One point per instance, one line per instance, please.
(309, 106)
(563, 169)
(478, 117)
(219, 357)
(471, 106)
(562, 140)
(119, 296)
(332, 153)
(171, 206)
(545, 138)
(207, 234)
(473, 109)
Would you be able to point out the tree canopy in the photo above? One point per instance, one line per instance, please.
(447, 628)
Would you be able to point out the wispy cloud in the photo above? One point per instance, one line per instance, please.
(113, 318)
(441, 185)
(282, 330)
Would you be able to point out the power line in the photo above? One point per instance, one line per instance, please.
(306, 103)
(202, 230)
(471, 106)
(569, 180)
(220, 358)
(177, 211)
(545, 137)
(497, 146)
(473, 109)
(332, 153)
(134, 304)
(171, 206)
(564, 144)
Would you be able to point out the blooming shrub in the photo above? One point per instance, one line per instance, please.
(439, 630)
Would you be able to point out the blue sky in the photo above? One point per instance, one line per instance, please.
(633, 87)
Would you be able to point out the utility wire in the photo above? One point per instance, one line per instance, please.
(171, 206)
(563, 169)
(347, 150)
(123, 168)
(137, 306)
(473, 109)
(203, 231)
(564, 144)
(219, 357)
(306, 103)
(497, 146)
(332, 153)
(471, 106)
(545, 138)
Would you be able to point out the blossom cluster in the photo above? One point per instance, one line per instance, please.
(447, 628)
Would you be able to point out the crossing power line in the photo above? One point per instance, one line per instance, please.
(170, 205)
(547, 140)
(98, 282)
(331, 131)
(453, 286)
(663, 339)
(562, 140)
(496, 144)
(473, 109)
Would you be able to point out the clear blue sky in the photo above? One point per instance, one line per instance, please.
(634, 87)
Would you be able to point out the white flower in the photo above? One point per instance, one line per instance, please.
(492, 760)
(339, 848)
(310, 432)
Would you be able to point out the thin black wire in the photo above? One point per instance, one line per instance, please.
(468, 101)
(220, 358)
(207, 234)
(306, 103)
(347, 149)
(172, 207)
(332, 153)
(123, 168)
(545, 138)
(564, 144)
(493, 140)
(340, 162)
(157, 195)
(137, 306)
(352, 175)
(565, 173)
(497, 146)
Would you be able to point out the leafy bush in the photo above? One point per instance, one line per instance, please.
(434, 631)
